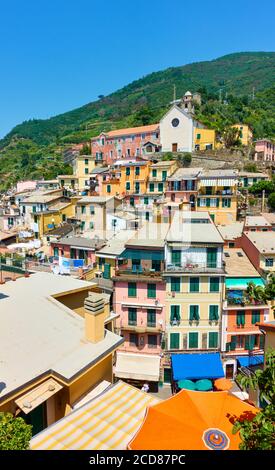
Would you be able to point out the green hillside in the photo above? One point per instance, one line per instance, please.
(227, 85)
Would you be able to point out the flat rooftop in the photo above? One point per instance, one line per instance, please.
(152, 235)
(263, 241)
(82, 242)
(231, 231)
(237, 263)
(116, 245)
(182, 229)
(256, 221)
(39, 335)
(185, 174)
(95, 199)
(219, 174)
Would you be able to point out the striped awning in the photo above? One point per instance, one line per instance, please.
(218, 182)
(107, 422)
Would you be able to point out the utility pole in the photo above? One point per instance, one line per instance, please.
(174, 99)
(263, 200)
(220, 95)
(253, 93)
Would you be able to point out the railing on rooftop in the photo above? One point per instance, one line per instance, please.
(138, 271)
(194, 267)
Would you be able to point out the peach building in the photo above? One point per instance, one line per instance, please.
(124, 143)
(264, 150)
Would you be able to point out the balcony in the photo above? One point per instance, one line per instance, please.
(195, 268)
(138, 271)
(142, 328)
(240, 302)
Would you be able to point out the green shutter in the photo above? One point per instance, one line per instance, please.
(164, 175)
(217, 202)
(233, 343)
(151, 317)
(137, 171)
(194, 312)
(175, 284)
(255, 316)
(146, 200)
(262, 338)
(107, 271)
(250, 342)
(213, 339)
(198, 202)
(174, 340)
(213, 312)
(128, 186)
(132, 316)
(208, 202)
(176, 257)
(240, 318)
(214, 284)
(211, 257)
(151, 291)
(132, 289)
(151, 187)
(154, 173)
(108, 188)
(229, 203)
(174, 313)
(193, 340)
(194, 284)
(160, 187)
(128, 171)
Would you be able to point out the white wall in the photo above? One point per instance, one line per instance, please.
(182, 134)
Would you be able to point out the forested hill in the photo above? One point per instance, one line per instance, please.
(235, 88)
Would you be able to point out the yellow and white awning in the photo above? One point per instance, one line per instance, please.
(106, 422)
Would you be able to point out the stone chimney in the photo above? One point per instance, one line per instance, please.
(94, 317)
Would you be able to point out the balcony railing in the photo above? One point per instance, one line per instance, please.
(138, 271)
(242, 302)
(194, 267)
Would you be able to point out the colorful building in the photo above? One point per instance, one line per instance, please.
(125, 143)
(204, 139)
(264, 150)
(232, 234)
(246, 134)
(260, 249)
(56, 346)
(242, 340)
(77, 248)
(91, 212)
(126, 178)
(247, 179)
(257, 223)
(217, 193)
(158, 174)
(183, 187)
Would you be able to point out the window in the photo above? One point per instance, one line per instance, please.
(154, 173)
(194, 284)
(132, 289)
(128, 153)
(176, 257)
(146, 200)
(213, 339)
(137, 172)
(226, 202)
(86, 161)
(174, 340)
(214, 284)
(132, 201)
(164, 175)
(269, 262)
(255, 316)
(151, 317)
(91, 225)
(231, 245)
(211, 257)
(128, 186)
(83, 209)
(34, 208)
(175, 284)
(137, 187)
(152, 341)
(132, 316)
(194, 313)
(133, 339)
(174, 313)
(92, 210)
(147, 215)
(156, 265)
(160, 187)
(151, 187)
(193, 340)
(151, 291)
(128, 171)
(64, 217)
(240, 318)
(108, 188)
(198, 136)
(213, 312)
(86, 171)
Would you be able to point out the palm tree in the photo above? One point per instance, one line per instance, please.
(255, 294)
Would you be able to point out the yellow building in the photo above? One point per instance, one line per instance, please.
(195, 283)
(53, 216)
(83, 165)
(158, 174)
(126, 178)
(217, 194)
(269, 331)
(204, 139)
(246, 134)
(56, 347)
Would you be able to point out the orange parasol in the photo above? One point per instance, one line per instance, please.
(192, 420)
(223, 384)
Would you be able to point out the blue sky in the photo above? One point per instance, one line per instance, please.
(57, 55)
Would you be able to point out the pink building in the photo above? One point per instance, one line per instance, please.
(139, 297)
(23, 186)
(264, 150)
(76, 248)
(124, 143)
(182, 186)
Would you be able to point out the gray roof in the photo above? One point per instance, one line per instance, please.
(218, 174)
(38, 334)
(231, 231)
(92, 243)
(163, 163)
(41, 199)
(263, 241)
(99, 170)
(183, 231)
(252, 175)
(95, 199)
(152, 234)
(256, 221)
(116, 245)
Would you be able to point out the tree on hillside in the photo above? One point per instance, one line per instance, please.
(271, 201)
(15, 434)
(250, 167)
(185, 159)
(267, 186)
(259, 433)
(231, 137)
